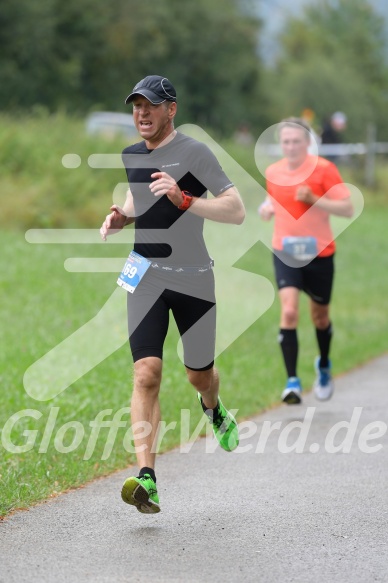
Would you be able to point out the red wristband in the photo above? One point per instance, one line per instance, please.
(187, 200)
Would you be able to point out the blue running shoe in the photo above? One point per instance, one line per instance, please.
(292, 393)
(323, 384)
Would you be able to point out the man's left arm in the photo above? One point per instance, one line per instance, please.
(227, 207)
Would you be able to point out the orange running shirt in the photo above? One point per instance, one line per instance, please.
(298, 219)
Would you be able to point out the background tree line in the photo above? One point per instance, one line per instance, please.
(87, 55)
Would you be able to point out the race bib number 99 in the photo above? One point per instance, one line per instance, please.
(133, 271)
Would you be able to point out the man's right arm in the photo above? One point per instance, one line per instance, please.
(119, 217)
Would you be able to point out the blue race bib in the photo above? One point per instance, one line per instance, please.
(301, 248)
(133, 271)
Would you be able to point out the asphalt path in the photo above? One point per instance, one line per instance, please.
(304, 498)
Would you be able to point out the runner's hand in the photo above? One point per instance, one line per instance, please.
(113, 223)
(266, 210)
(306, 195)
(164, 184)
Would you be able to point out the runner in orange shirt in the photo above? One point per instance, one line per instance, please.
(303, 191)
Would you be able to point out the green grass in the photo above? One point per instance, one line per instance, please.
(42, 304)
(37, 190)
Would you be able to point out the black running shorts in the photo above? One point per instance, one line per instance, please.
(315, 278)
(191, 300)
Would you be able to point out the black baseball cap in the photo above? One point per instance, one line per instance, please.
(155, 88)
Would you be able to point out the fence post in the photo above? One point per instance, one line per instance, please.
(370, 157)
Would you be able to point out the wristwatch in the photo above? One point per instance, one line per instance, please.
(187, 200)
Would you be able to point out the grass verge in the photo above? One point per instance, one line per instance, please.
(42, 304)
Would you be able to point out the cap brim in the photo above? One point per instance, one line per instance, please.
(150, 95)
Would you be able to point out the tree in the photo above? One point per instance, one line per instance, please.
(207, 49)
(333, 58)
(48, 48)
(87, 54)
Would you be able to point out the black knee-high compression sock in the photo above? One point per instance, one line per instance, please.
(324, 338)
(288, 340)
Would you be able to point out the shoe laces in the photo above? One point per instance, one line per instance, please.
(293, 383)
(324, 377)
(149, 483)
(221, 422)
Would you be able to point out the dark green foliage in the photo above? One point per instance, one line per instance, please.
(90, 54)
(333, 58)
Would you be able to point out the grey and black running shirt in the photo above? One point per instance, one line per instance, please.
(161, 229)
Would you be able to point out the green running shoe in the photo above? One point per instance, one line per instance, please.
(225, 427)
(142, 493)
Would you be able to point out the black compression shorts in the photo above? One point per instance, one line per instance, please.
(191, 299)
(315, 278)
